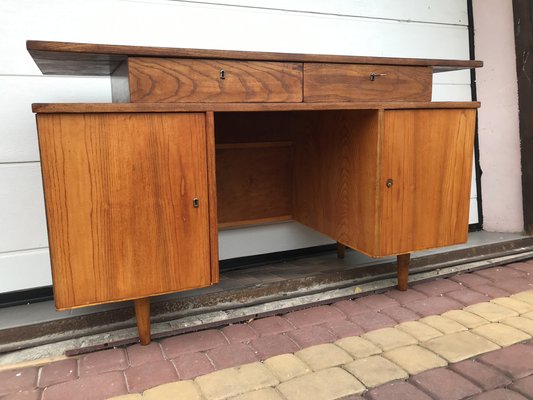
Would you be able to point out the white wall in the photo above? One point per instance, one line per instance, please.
(499, 140)
(400, 28)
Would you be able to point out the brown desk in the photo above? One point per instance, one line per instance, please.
(201, 140)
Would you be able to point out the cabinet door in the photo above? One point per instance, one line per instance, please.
(119, 192)
(427, 160)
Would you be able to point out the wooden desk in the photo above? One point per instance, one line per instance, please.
(197, 140)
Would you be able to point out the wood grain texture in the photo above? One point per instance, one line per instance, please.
(242, 107)
(336, 177)
(142, 314)
(268, 136)
(255, 221)
(212, 188)
(154, 80)
(254, 182)
(325, 82)
(428, 155)
(83, 64)
(402, 267)
(118, 192)
(88, 59)
(275, 128)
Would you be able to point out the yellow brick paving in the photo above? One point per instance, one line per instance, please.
(352, 365)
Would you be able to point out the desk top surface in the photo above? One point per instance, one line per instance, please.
(75, 108)
(63, 58)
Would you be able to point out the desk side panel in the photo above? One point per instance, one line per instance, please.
(336, 177)
(428, 156)
(213, 201)
(119, 192)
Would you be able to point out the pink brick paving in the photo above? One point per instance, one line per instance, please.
(506, 372)
(377, 302)
(483, 375)
(491, 291)
(343, 328)
(270, 326)
(445, 384)
(100, 362)
(146, 376)
(192, 365)
(372, 320)
(351, 308)
(467, 296)
(398, 390)
(232, 355)
(58, 372)
(400, 314)
(524, 386)
(138, 355)
(470, 280)
(311, 335)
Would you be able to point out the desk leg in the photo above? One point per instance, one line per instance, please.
(142, 313)
(340, 250)
(402, 264)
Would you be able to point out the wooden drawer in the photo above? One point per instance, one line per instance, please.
(191, 80)
(350, 82)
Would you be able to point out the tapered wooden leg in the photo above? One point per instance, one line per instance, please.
(142, 313)
(340, 250)
(402, 263)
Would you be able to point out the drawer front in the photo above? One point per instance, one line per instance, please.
(154, 80)
(349, 82)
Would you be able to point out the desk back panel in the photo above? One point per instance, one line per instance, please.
(254, 165)
(254, 183)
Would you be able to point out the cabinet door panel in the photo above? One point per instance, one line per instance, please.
(119, 192)
(428, 156)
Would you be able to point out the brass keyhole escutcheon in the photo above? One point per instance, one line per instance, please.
(389, 183)
(374, 75)
(195, 202)
(222, 74)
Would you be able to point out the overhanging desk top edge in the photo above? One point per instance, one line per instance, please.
(65, 58)
(79, 108)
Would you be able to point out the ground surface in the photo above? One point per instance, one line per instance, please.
(468, 336)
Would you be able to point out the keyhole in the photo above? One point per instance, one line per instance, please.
(222, 74)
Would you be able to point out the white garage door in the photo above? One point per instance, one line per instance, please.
(398, 28)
